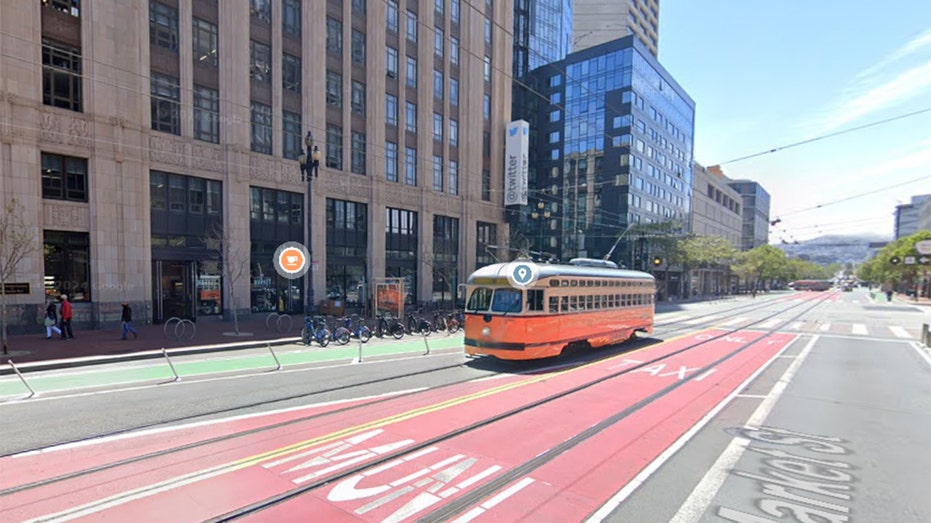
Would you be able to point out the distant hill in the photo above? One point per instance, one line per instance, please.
(836, 249)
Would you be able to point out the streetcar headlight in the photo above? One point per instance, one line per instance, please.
(486, 331)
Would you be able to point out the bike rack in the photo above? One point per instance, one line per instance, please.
(279, 323)
(32, 392)
(269, 317)
(180, 328)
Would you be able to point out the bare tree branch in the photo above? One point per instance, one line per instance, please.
(15, 245)
(234, 264)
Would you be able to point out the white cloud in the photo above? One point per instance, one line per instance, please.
(900, 76)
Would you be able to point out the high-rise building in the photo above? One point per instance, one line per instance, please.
(542, 33)
(908, 216)
(755, 223)
(595, 22)
(132, 131)
(611, 147)
(716, 207)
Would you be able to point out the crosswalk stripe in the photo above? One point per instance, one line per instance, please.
(900, 332)
(703, 319)
(735, 321)
(859, 328)
(771, 323)
(825, 327)
(797, 326)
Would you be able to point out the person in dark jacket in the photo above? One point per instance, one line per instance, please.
(51, 320)
(127, 321)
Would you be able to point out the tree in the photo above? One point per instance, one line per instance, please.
(706, 252)
(881, 269)
(445, 270)
(15, 245)
(761, 263)
(234, 264)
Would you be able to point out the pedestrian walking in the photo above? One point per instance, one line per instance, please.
(127, 321)
(66, 313)
(51, 320)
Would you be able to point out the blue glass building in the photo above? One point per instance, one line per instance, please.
(542, 33)
(611, 147)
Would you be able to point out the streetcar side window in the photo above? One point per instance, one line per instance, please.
(507, 300)
(564, 303)
(535, 300)
(554, 304)
(480, 299)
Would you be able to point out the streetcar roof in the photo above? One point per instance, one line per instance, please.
(548, 270)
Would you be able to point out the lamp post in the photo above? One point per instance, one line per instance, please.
(309, 163)
(539, 216)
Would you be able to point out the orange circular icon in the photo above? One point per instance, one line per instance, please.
(292, 260)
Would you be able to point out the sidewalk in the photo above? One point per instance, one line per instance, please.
(107, 342)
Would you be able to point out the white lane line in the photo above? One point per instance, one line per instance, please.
(770, 324)
(702, 319)
(859, 329)
(735, 321)
(899, 331)
(824, 327)
(923, 352)
(654, 465)
(698, 501)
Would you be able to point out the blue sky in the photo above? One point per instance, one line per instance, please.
(768, 74)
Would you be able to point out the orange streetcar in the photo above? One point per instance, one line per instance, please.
(524, 310)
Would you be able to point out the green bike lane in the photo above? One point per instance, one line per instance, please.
(158, 370)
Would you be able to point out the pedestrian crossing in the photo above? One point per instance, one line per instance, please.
(814, 327)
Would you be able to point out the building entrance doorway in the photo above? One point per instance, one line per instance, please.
(173, 289)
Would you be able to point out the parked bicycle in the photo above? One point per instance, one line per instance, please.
(339, 333)
(387, 325)
(454, 322)
(357, 328)
(315, 329)
(417, 325)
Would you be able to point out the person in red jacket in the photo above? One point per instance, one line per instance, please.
(66, 333)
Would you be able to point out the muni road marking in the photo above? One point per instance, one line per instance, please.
(702, 319)
(824, 327)
(735, 321)
(770, 324)
(860, 329)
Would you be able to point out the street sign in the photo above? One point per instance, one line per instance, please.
(923, 247)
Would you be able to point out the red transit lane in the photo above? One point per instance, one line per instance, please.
(201, 483)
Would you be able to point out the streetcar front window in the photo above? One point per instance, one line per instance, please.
(480, 300)
(507, 300)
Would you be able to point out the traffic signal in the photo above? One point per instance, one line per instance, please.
(657, 261)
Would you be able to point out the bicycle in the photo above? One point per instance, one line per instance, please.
(454, 323)
(357, 328)
(340, 334)
(385, 325)
(417, 325)
(315, 329)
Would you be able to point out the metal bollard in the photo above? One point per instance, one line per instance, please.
(275, 357)
(427, 344)
(23, 379)
(170, 364)
(360, 350)
(926, 334)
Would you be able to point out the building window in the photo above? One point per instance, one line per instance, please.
(163, 26)
(291, 17)
(260, 66)
(410, 166)
(437, 84)
(391, 161)
(411, 26)
(205, 42)
(291, 73)
(410, 117)
(454, 11)
(61, 76)
(166, 104)
(392, 16)
(261, 10)
(67, 264)
(70, 7)
(291, 142)
(357, 98)
(334, 36)
(437, 173)
(486, 236)
(488, 31)
(486, 144)
(334, 147)
(401, 241)
(391, 110)
(453, 91)
(271, 206)
(453, 177)
(445, 258)
(391, 62)
(555, 116)
(206, 114)
(439, 5)
(64, 178)
(261, 128)
(487, 69)
(486, 185)
(486, 106)
(411, 72)
(358, 47)
(334, 89)
(453, 50)
(439, 41)
(437, 127)
(357, 153)
(554, 137)
(453, 133)
(358, 6)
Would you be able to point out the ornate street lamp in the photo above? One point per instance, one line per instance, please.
(306, 168)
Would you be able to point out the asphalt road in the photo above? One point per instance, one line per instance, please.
(837, 427)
